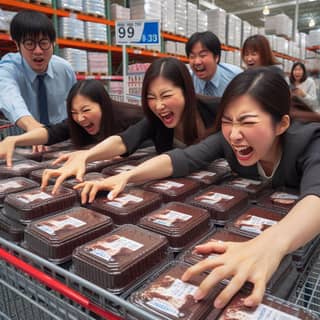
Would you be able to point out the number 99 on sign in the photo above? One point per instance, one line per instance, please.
(126, 32)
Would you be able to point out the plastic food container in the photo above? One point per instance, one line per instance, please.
(181, 223)
(254, 221)
(255, 188)
(270, 308)
(207, 177)
(167, 297)
(27, 153)
(70, 183)
(128, 207)
(19, 168)
(120, 258)
(281, 200)
(120, 167)
(13, 185)
(28, 205)
(175, 189)
(10, 229)
(223, 203)
(55, 237)
(99, 165)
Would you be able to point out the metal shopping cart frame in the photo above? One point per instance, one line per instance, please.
(34, 285)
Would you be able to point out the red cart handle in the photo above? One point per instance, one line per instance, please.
(56, 285)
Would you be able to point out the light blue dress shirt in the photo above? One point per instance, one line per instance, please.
(19, 87)
(224, 74)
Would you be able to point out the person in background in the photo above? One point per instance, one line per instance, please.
(92, 117)
(209, 75)
(34, 83)
(258, 139)
(303, 86)
(256, 52)
(174, 117)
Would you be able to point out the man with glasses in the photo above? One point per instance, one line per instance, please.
(210, 76)
(34, 83)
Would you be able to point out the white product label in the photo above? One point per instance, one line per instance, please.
(213, 197)
(243, 183)
(22, 166)
(9, 184)
(106, 250)
(29, 197)
(262, 312)
(122, 201)
(255, 224)
(201, 174)
(167, 185)
(221, 163)
(174, 296)
(124, 168)
(51, 226)
(169, 218)
(284, 195)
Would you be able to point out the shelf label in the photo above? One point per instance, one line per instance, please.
(137, 32)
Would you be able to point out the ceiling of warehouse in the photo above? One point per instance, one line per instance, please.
(251, 10)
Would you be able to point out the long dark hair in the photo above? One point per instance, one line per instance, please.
(265, 86)
(95, 91)
(261, 45)
(175, 71)
(304, 77)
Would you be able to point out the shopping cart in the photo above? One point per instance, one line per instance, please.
(34, 288)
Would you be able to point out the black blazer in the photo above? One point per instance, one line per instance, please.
(299, 166)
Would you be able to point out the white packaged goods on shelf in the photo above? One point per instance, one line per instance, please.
(76, 57)
(145, 9)
(170, 46)
(202, 19)
(217, 22)
(312, 63)
(97, 62)
(168, 15)
(95, 31)
(314, 38)
(302, 39)
(138, 67)
(119, 12)
(279, 24)
(246, 30)
(5, 19)
(71, 28)
(181, 17)
(261, 31)
(237, 58)
(181, 48)
(191, 18)
(233, 30)
(229, 57)
(116, 87)
(223, 56)
(70, 4)
(96, 7)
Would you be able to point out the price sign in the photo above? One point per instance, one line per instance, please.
(137, 32)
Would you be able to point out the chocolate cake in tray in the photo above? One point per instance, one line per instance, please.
(173, 189)
(27, 153)
(19, 168)
(270, 308)
(14, 185)
(11, 229)
(223, 203)
(181, 223)
(253, 221)
(123, 166)
(30, 204)
(167, 297)
(70, 183)
(255, 188)
(55, 237)
(117, 260)
(128, 207)
(281, 200)
(101, 164)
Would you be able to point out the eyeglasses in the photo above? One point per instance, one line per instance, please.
(44, 44)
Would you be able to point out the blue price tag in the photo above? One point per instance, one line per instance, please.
(137, 32)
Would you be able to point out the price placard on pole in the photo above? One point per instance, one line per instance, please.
(137, 32)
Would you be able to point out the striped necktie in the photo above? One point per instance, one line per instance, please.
(209, 89)
(42, 100)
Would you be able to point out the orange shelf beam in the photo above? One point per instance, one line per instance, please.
(27, 6)
(87, 45)
(173, 37)
(314, 48)
(5, 36)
